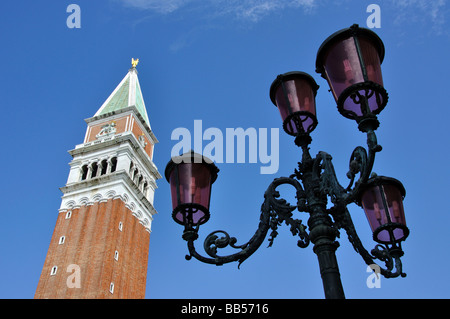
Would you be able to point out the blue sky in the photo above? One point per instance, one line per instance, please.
(214, 61)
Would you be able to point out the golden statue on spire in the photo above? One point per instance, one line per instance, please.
(134, 62)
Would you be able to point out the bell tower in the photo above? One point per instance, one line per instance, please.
(99, 247)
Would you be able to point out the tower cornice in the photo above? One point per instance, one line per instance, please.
(117, 185)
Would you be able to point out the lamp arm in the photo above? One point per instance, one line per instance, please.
(323, 173)
(273, 212)
(213, 242)
(361, 161)
(324, 170)
(389, 255)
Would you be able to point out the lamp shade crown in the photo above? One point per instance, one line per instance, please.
(343, 34)
(189, 158)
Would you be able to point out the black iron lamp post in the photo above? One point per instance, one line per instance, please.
(350, 61)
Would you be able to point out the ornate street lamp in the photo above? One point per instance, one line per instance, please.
(350, 62)
(382, 200)
(294, 93)
(191, 177)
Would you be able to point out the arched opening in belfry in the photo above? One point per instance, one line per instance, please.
(104, 165)
(84, 172)
(94, 167)
(113, 164)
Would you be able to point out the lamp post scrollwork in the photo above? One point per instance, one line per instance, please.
(350, 61)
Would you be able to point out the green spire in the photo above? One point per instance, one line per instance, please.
(128, 93)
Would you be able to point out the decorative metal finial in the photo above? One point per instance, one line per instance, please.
(134, 62)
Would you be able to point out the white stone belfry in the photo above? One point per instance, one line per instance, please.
(116, 158)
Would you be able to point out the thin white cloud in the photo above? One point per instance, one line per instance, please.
(251, 10)
(254, 10)
(432, 12)
(245, 11)
(160, 6)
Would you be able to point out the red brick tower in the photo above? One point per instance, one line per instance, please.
(99, 248)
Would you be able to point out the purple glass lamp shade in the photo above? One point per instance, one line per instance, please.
(294, 94)
(382, 200)
(350, 60)
(191, 176)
